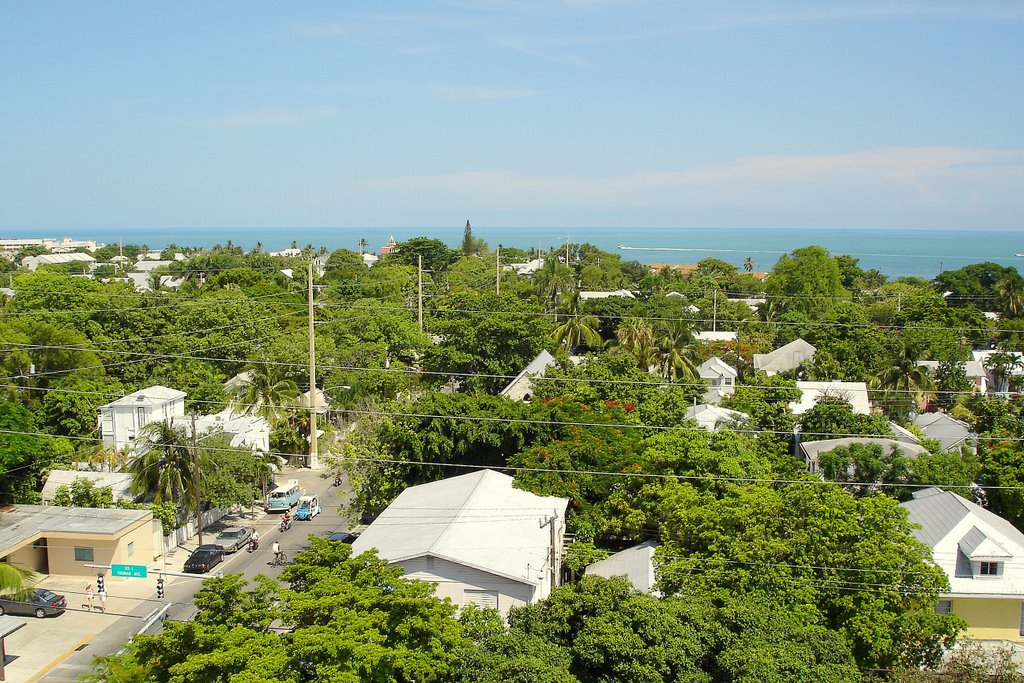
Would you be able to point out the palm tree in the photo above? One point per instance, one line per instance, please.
(1001, 366)
(168, 468)
(676, 352)
(908, 381)
(637, 336)
(261, 391)
(362, 245)
(748, 265)
(1010, 296)
(576, 329)
(553, 279)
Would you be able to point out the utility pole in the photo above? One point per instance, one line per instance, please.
(419, 306)
(553, 559)
(714, 311)
(497, 270)
(199, 498)
(311, 461)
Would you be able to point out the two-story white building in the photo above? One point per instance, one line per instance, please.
(121, 421)
(721, 379)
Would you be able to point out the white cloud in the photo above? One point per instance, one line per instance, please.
(902, 185)
(267, 116)
(452, 92)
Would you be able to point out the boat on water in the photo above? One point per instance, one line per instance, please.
(1016, 253)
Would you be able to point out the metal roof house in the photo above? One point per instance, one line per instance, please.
(854, 393)
(636, 564)
(519, 389)
(721, 379)
(951, 433)
(809, 452)
(711, 417)
(120, 483)
(480, 540)
(784, 358)
(983, 556)
(121, 421)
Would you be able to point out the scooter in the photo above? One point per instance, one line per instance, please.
(286, 524)
(254, 544)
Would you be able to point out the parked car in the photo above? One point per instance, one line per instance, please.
(204, 558)
(39, 602)
(234, 538)
(342, 537)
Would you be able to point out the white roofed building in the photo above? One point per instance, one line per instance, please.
(479, 539)
(584, 296)
(33, 262)
(245, 431)
(982, 554)
(121, 421)
(721, 379)
(711, 417)
(636, 564)
(785, 358)
(854, 393)
(519, 389)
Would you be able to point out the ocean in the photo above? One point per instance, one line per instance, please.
(915, 253)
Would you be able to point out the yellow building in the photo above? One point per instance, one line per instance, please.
(983, 556)
(62, 540)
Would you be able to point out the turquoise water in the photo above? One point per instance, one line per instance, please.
(920, 253)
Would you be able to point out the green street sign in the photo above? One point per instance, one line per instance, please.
(135, 571)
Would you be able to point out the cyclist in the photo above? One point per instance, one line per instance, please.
(277, 552)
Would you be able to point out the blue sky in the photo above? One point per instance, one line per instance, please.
(697, 113)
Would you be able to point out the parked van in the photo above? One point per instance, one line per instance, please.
(284, 497)
(309, 507)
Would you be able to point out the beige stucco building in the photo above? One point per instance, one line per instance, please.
(62, 540)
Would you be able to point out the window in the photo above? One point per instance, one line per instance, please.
(140, 417)
(481, 599)
(131, 548)
(944, 607)
(430, 563)
(83, 554)
(990, 568)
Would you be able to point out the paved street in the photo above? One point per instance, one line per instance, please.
(60, 649)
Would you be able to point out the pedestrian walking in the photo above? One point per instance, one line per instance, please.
(88, 597)
(103, 599)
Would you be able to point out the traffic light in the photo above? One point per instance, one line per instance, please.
(160, 587)
(99, 583)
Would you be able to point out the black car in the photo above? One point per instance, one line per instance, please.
(204, 558)
(234, 538)
(342, 537)
(39, 602)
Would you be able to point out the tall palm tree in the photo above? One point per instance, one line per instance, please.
(575, 329)
(261, 391)
(552, 280)
(748, 265)
(1010, 295)
(676, 353)
(1000, 366)
(362, 245)
(636, 335)
(168, 468)
(903, 376)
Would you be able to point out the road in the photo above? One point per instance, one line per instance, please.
(69, 666)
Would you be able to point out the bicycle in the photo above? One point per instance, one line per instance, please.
(280, 559)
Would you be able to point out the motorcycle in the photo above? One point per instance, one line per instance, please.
(286, 524)
(254, 544)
